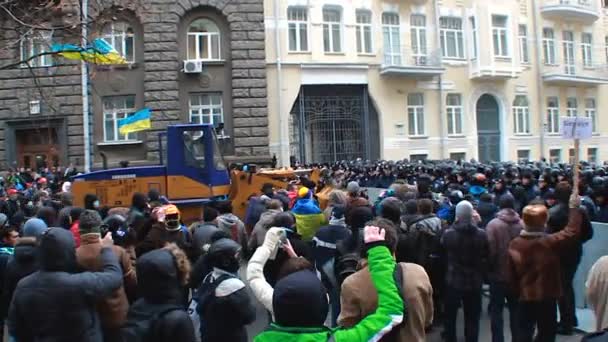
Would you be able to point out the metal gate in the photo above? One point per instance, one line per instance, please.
(333, 128)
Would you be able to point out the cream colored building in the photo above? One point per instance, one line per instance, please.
(483, 79)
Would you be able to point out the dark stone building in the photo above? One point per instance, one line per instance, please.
(199, 61)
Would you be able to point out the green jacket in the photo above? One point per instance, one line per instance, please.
(390, 311)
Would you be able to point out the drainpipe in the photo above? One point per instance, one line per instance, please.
(539, 76)
(442, 134)
(85, 90)
(283, 122)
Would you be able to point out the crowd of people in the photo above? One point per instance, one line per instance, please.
(389, 269)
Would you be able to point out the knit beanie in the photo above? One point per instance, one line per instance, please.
(89, 222)
(464, 211)
(34, 227)
(300, 300)
(506, 201)
(353, 187)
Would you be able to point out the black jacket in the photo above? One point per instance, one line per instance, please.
(558, 219)
(467, 252)
(54, 304)
(22, 264)
(159, 288)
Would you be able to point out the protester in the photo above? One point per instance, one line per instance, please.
(349, 250)
(359, 297)
(56, 304)
(231, 224)
(309, 217)
(224, 305)
(467, 256)
(570, 256)
(300, 303)
(264, 223)
(500, 231)
(160, 313)
(113, 309)
(535, 272)
(202, 231)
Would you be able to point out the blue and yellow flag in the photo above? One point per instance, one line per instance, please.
(98, 52)
(140, 121)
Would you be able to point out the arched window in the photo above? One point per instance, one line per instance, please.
(121, 36)
(204, 40)
(521, 115)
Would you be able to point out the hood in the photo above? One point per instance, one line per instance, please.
(337, 222)
(464, 227)
(300, 300)
(25, 250)
(157, 277)
(306, 206)
(226, 221)
(410, 219)
(57, 251)
(509, 216)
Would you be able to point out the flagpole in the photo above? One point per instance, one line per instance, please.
(85, 91)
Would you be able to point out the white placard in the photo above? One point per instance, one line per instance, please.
(576, 128)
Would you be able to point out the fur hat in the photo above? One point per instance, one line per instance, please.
(535, 217)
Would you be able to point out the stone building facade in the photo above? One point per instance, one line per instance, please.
(41, 106)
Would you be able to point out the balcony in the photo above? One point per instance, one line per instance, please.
(412, 65)
(493, 71)
(585, 11)
(575, 74)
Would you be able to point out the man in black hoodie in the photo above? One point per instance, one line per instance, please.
(56, 304)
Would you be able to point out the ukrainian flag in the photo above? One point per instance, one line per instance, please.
(140, 121)
(98, 52)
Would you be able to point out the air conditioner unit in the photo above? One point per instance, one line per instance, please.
(193, 67)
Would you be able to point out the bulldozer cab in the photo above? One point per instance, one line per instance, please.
(194, 164)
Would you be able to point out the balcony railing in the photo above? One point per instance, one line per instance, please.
(571, 10)
(408, 61)
(576, 73)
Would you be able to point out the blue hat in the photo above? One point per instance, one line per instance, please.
(34, 227)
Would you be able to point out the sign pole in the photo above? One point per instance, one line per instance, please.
(576, 166)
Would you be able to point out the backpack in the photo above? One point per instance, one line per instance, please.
(145, 330)
(205, 295)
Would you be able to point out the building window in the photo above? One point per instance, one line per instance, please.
(204, 40)
(458, 156)
(392, 43)
(548, 46)
(121, 36)
(473, 38)
(452, 45)
(206, 108)
(524, 56)
(332, 29)
(568, 47)
(592, 155)
(591, 113)
(523, 156)
(418, 37)
(364, 31)
(555, 155)
(586, 47)
(499, 35)
(418, 157)
(116, 108)
(521, 115)
(571, 106)
(297, 22)
(552, 115)
(454, 111)
(36, 44)
(415, 114)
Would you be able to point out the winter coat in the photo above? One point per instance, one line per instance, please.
(324, 242)
(75, 230)
(233, 226)
(53, 304)
(309, 218)
(273, 265)
(159, 287)
(420, 242)
(225, 312)
(259, 231)
(467, 256)
(359, 298)
(505, 227)
(113, 309)
(388, 314)
(558, 218)
(201, 235)
(22, 264)
(534, 263)
(255, 268)
(597, 292)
